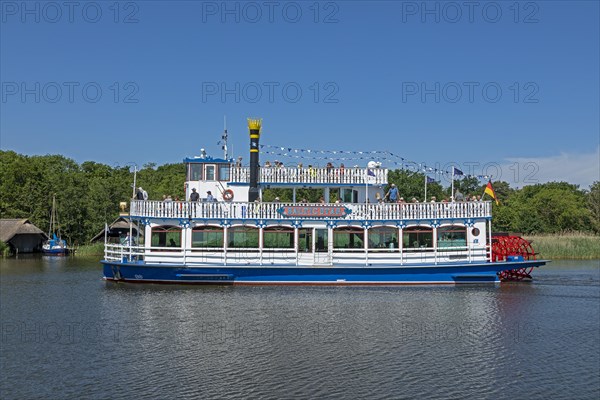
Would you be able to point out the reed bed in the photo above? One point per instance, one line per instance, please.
(95, 249)
(574, 246)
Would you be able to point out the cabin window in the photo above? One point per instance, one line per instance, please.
(278, 238)
(242, 237)
(348, 238)
(417, 237)
(348, 196)
(166, 236)
(207, 236)
(195, 172)
(385, 237)
(305, 239)
(452, 236)
(210, 173)
(224, 172)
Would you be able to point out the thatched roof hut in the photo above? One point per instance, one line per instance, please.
(118, 227)
(21, 235)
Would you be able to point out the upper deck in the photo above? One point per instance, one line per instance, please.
(217, 170)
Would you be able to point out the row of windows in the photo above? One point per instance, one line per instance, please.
(283, 237)
(208, 172)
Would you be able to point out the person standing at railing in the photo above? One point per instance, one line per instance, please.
(458, 196)
(209, 197)
(392, 194)
(141, 194)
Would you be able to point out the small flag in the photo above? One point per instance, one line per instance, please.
(457, 171)
(370, 172)
(490, 190)
(430, 180)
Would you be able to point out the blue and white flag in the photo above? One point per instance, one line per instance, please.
(456, 171)
(430, 180)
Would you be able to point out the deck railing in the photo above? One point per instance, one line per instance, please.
(287, 175)
(256, 210)
(360, 257)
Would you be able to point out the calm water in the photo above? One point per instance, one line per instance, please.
(66, 334)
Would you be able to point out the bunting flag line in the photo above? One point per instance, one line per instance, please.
(342, 156)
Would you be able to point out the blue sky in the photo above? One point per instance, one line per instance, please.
(513, 85)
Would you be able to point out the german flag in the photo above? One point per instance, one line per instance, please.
(490, 190)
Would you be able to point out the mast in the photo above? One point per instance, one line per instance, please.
(51, 228)
(224, 138)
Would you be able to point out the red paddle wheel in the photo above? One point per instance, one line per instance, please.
(504, 248)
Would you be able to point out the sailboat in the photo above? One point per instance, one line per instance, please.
(55, 245)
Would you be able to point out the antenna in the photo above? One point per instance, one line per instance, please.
(224, 138)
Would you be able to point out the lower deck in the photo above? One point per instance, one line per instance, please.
(306, 243)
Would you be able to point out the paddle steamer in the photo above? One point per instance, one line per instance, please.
(231, 236)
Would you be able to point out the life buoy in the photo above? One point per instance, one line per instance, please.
(228, 195)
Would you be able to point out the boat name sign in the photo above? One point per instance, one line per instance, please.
(314, 211)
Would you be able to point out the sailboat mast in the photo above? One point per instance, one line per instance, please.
(51, 229)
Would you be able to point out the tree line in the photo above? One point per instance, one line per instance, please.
(88, 195)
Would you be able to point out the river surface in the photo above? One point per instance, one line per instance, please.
(67, 334)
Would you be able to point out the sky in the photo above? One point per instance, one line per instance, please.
(507, 89)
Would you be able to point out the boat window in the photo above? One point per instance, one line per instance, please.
(242, 237)
(385, 237)
(224, 172)
(210, 173)
(166, 236)
(348, 238)
(417, 237)
(452, 236)
(305, 239)
(195, 172)
(207, 236)
(278, 238)
(321, 242)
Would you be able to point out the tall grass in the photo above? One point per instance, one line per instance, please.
(576, 246)
(94, 249)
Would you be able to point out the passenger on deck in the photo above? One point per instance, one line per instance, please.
(458, 196)
(209, 197)
(392, 194)
(194, 196)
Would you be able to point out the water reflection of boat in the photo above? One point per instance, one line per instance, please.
(55, 245)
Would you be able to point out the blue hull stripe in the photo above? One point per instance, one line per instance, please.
(293, 275)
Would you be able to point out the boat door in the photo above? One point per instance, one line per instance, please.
(313, 246)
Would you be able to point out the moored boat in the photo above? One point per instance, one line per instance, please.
(226, 234)
(55, 245)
